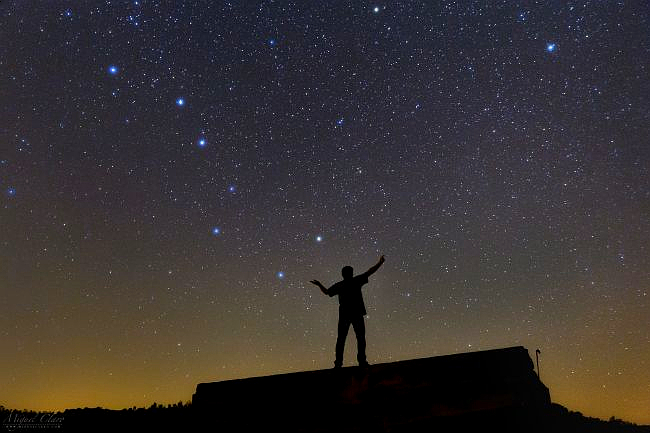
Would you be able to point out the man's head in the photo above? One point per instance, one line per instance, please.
(347, 272)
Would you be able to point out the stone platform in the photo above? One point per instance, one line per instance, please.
(470, 389)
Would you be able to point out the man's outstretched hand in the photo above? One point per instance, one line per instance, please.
(382, 259)
(320, 286)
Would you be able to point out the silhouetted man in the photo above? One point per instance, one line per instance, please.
(351, 310)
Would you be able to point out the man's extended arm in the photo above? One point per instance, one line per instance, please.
(320, 286)
(373, 269)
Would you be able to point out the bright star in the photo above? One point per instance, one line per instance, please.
(202, 142)
(280, 274)
(550, 47)
(216, 231)
(11, 191)
(319, 238)
(340, 121)
(68, 13)
(113, 70)
(376, 9)
(180, 102)
(232, 188)
(272, 42)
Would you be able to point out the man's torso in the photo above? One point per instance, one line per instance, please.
(350, 296)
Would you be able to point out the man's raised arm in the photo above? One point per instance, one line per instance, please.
(373, 269)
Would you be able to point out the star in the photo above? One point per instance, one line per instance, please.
(340, 121)
(550, 47)
(319, 238)
(280, 275)
(68, 12)
(11, 191)
(272, 42)
(180, 102)
(232, 188)
(202, 142)
(113, 70)
(216, 231)
(376, 9)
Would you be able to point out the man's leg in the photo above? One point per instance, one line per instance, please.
(360, 330)
(344, 325)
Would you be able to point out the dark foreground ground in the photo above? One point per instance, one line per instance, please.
(495, 390)
(185, 418)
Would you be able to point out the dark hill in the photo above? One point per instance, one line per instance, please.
(495, 390)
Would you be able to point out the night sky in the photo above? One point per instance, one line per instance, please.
(173, 173)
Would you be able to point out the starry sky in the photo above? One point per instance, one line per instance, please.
(172, 175)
